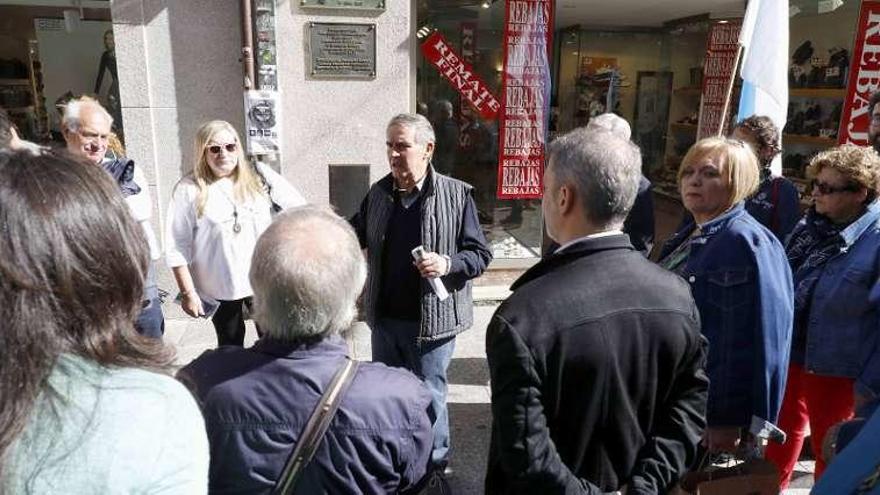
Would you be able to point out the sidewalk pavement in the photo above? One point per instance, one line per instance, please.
(468, 396)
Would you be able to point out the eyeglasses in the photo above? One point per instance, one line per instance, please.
(216, 149)
(824, 188)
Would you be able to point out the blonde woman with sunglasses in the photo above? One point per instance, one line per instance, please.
(216, 214)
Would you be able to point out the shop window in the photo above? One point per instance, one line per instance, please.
(467, 144)
(50, 54)
(646, 68)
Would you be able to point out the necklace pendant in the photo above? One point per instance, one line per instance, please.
(236, 227)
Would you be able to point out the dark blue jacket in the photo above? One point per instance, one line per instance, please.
(844, 322)
(256, 402)
(776, 205)
(741, 282)
(639, 224)
(857, 465)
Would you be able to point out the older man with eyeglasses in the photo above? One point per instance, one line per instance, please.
(86, 126)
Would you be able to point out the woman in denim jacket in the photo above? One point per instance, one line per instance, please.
(834, 254)
(742, 286)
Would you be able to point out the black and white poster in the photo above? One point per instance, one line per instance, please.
(262, 122)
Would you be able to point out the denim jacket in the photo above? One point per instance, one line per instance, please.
(742, 285)
(842, 330)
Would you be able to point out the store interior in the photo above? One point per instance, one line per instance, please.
(49, 52)
(643, 61)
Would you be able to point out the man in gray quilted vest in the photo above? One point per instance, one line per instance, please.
(413, 327)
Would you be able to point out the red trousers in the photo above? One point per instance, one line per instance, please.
(820, 400)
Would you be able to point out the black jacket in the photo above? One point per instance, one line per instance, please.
(597, 369)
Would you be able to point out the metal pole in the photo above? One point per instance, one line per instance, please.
(247, 44)
(727, 99)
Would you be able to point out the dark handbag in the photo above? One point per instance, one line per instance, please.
(315, 429)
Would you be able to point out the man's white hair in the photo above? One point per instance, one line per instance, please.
(307, 273)
(72, 119)
(612, 123)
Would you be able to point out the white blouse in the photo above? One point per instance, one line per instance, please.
(219, 258)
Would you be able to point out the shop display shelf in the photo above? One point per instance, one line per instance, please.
(15, 82)
(688, 90)
(677, 126)
(817, 92)
(26, 109)
(812, 140)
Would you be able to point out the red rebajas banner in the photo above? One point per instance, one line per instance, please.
(864, 77)
(528, 30)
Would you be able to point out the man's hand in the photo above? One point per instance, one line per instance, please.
(721, 439)
(432, 265)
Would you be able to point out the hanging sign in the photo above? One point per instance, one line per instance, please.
(718, 69)
(460, 74)
(525, 96)
(262, 121)
(864, 77)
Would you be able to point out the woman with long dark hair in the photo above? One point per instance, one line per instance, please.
(87, 404)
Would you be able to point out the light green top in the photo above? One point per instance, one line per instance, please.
(110, 431)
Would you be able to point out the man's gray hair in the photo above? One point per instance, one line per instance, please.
(307, 273)
(603, 168)
(423, 131)
(72, 118)
(612, 123)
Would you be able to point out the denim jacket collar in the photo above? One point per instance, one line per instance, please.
(719, 223)
(855, 230)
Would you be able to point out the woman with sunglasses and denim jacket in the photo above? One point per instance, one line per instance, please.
(742, 286)
(216, 214)
(834, 253)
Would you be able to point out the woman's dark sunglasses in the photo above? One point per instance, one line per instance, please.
(215, 149)
(824, 188)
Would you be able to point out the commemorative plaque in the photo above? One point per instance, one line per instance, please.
(344, 4)
(342, 51)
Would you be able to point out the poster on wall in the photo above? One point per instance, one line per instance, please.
(460, 74)
(718, 70)
(262, 121)
(525, 97)
(863, 77)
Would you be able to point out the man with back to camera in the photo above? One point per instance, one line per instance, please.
(412, 206)
(307, 273)
(86, 128)
(639, 223)
(596, 360)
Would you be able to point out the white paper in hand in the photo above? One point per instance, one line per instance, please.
(418, 253)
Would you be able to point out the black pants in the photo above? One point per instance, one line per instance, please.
(229, 321)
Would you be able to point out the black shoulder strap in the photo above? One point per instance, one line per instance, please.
(276, 208)
(316, 428)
